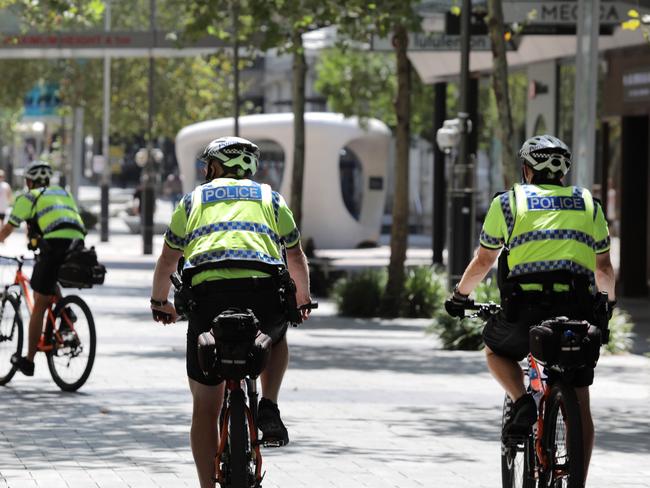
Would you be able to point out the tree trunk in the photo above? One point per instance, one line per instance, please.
(399, 228)
(299, 74)
(500, 87)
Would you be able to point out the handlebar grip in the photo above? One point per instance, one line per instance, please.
(308, 306)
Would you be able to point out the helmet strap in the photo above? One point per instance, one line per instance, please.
(210, 171)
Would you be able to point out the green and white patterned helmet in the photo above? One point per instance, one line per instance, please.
(39, 172)
(234, 153)
(546, 153)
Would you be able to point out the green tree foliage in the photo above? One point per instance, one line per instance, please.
(394, 19)
(269, 24)
(47, 15)
(187, 90)
(361, 83)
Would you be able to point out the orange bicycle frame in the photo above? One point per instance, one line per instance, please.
(538, 385)
(22, 281)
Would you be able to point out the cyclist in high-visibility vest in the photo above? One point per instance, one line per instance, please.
(53, 223)
(232, 233)
(557, 257)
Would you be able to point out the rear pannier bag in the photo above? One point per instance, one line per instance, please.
(81, 269)
(235, 347)
(564, 344)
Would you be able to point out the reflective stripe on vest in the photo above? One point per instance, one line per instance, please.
(552, 230)
(231, 220)
(56, 209)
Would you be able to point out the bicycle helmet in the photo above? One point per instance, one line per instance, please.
(546, 153)
(38, 171)
(233, 153)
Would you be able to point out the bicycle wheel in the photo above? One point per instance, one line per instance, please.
(239, 444)
(562, 440)
(517, 459)
(11, 336)
(73, 353)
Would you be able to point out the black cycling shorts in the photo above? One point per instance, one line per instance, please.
(48, 261)
(213, 297)
(510, 339)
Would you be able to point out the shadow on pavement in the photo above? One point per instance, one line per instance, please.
(406, 359)
(62, 428)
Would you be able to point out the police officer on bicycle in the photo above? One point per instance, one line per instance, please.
(555, 257)
(53, 223)
(232, 233)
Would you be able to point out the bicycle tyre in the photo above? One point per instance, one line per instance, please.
(7, 370)
(562, 405)
(239, 442)
(517, 460)
(73, 381)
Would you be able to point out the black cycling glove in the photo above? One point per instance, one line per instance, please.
(457, 303)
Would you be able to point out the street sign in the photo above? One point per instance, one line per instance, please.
(420, 41)
(564, 12)
(95, 44)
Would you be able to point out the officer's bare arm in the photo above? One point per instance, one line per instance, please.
(165, 266)
(299, 271)
(477, 269)
(605, 276)
(6, 231)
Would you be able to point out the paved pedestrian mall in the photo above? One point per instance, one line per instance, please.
(367, 403)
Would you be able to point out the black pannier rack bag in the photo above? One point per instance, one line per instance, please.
(564, 344)
(81, 268)
(235, 347)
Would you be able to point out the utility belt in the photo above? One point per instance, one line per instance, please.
(279, 279)
(514, 298)
(35, 239)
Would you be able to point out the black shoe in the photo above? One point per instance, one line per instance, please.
(269, 422)
(523, 415)
(25, 366)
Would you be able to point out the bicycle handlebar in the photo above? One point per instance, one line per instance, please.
(483, 310)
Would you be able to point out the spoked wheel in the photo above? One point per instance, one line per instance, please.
(73, 338)
(517, 458)
(11, 336)
(562, 440)
(239, 443)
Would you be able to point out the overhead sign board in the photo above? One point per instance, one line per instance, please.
(420, 41)
(99, 40)
(564, 12)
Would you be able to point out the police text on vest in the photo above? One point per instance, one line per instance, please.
(221, 193)
(555, 203)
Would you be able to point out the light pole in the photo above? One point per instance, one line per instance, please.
(106, 173)
(148, 174)
(461, 216)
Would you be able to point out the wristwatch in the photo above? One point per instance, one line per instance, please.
(158, 303)
(459, 294)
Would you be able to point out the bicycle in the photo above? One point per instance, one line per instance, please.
(68, 339)
(552, 454)
(240, 354)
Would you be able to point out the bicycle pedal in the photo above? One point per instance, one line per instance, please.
(272, 443)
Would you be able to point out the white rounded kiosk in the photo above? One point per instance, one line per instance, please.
(345, 169)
